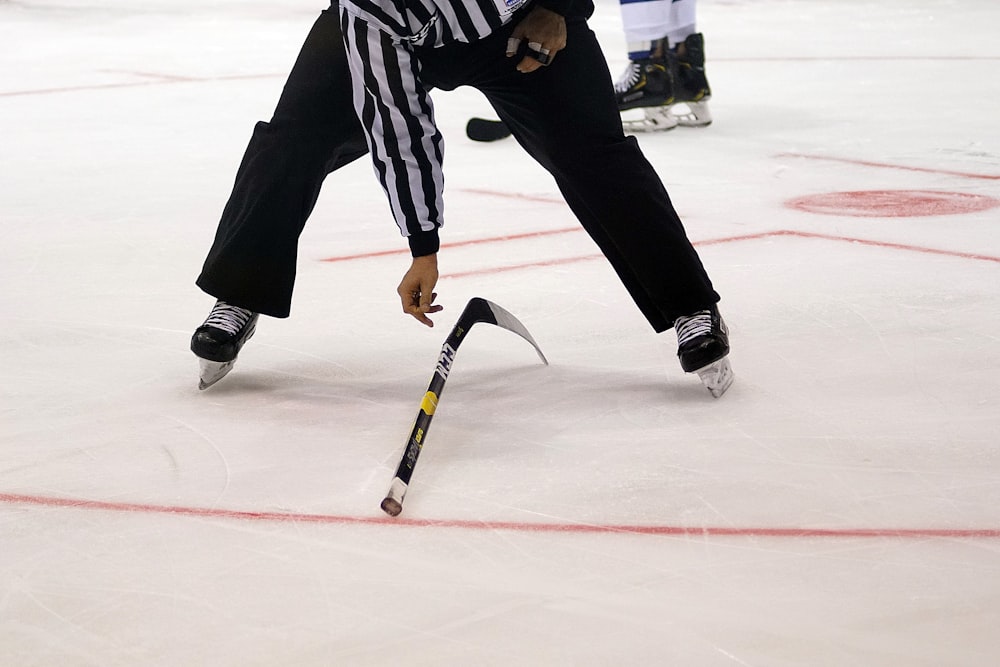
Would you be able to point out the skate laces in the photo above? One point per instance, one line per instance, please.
(228, 318)
(629, 77)
(689, 327)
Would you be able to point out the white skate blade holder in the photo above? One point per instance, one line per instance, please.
(667, 117)
(212, 371)
(691, 114)
(717, 376)
(652, 119)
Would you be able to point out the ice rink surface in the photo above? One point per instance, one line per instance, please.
(839, 506)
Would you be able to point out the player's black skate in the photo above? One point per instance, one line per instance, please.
(703, 348)
(647, 84)
(218, 341)
(691, 89)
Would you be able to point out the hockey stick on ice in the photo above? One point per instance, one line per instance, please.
(477, 310)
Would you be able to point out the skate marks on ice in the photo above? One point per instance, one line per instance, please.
(614, 433)
(866, 396)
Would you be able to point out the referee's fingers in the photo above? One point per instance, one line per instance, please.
(513, 44)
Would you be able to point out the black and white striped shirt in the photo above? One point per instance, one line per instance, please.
(395, 109)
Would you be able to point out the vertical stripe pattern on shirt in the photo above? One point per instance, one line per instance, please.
(395, 109)
(406, 147)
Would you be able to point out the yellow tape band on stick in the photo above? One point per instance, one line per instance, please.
(429, 403)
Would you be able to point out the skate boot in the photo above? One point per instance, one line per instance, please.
(703, 346)
(691, 89)
(217, 342)
(647, 84)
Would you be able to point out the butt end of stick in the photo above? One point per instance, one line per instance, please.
(393, 502)
(391, 507)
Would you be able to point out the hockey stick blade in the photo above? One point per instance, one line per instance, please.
(477, 310)
(482, 129)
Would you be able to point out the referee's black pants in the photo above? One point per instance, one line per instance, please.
(564, 115)
(313, 132)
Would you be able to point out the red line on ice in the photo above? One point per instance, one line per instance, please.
(879, 244)
(544, 199)
(455, 244)
(745, 237)
(728, 239)
(168, 78)
(693, 531)
(886, 165)
(527, 265)
(164, 79)
(520, 526)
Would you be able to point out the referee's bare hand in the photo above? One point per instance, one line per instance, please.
(546, 34)
(416, 290)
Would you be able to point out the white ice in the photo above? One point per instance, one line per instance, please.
(839, 506)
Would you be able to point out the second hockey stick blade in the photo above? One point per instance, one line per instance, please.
(482, 129)
(477, 310)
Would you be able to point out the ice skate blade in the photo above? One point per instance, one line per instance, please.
(212, 372)
(654, 119)
(691, 114)
(717, 376)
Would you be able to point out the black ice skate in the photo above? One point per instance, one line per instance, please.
(646, 82)
(691, 89)
(703, 346)
(684, 73)
(218, 341)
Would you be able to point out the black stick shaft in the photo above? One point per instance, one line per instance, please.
(477, 310)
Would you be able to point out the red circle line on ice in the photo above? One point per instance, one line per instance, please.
(892, 203)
